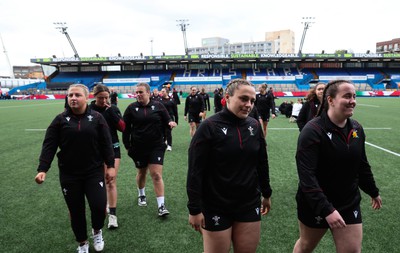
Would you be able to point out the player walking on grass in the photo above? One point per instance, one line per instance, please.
(194, 108)
(228, 177)
(265, 106)
(146, 121)
(172, 109)
(332, 166)
(84, 142)
(115, 123)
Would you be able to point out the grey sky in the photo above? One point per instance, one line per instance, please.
(127, 26)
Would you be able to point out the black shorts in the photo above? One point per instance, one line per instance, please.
(143, 156)
(193, 117)
(219, 221)
(350, 216)
(264, 115)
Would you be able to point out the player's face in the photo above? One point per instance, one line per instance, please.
(193, 91)
(77, 99)
(319, 91)
(142, 95)
(242, 101)
(102, 99)
(342, 106)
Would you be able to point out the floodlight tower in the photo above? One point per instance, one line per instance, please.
(63, 29)
(8, 59)
(151, 43)
(183, 25)
(307, 21)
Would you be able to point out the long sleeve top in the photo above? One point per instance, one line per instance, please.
(307, 112)
(265, 102)
(228, 164)
(171, 107)
(332, 166)
(145, 124)
(194, 104)
(217, 101)
(113, 117)
(84, 143)
(206, 99)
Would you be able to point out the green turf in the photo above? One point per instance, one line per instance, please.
(34, 218)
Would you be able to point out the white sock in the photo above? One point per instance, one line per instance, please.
(142, 192)
(160, 201)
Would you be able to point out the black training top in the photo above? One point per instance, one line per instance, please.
(113, 117)
(171, 107)
(206, 99)
(332, 165)
(84, 142)
(145, 124)
(194, 104)
(113, 98)
(217, 101)
(307, 112)
(265, 102)
(228, 164)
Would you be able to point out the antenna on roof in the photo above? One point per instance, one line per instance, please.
(8, 59)
(62, 26)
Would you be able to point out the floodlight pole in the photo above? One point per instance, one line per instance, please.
(151, 41)
(307, 21)
(183, 25)
(63, 29)
(8, 59)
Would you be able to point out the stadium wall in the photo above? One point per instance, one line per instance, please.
(277, 94)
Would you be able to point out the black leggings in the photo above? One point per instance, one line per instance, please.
(168, 135)
(74, 190)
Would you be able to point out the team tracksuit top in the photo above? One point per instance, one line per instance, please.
(307, 112)
(228, 164)
(194, 104)
(145, 124)
(171, 107)
(206, 99)
(332, 166)
(84, 142)
(265, 102)
(114, 120)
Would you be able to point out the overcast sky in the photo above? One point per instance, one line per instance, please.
(127, 26)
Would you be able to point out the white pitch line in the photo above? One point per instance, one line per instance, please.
(294, 128)
(35, 130)
(27, 105)
(384, 149)
(376, 106)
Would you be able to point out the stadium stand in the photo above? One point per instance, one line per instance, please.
(288, 74)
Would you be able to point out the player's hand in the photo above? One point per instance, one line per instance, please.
(172, 124)
(335, 220)
(376, 202)
(265, 206)
(197, 221)
(110, 175)
(40, 177)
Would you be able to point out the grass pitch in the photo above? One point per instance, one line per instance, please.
(34, 218)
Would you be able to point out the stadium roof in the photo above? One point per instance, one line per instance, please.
(217, 58)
